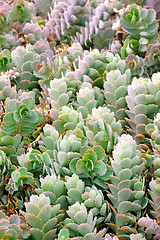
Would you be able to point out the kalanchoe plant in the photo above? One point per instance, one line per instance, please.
(22, 59)
(136, 65)
(92, 167)
(75, 187)
(42, 218)
(115, 89)
(34, 161)
(143, 103)
(79, 119)
(82, 224)
(12, 146)
(102, 128)
(5, 86)
(13, 227)
(140, 23)
(127, 187)
(67, 149)
(20, 11)
(5, 59)
(130, 47)
(67, 118)
(19, 177)
(20, 117)
(152, 58)
(94, 199)
(54, 188)
(48, 139)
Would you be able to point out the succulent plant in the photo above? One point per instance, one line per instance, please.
(48, 139)
(130, 47)
(19, 177)
(67, 149)
(140, 23)
(5, 86)
(143, 104)
(5, 60)
(102, 128)
(34, 161)
(32, 32)
(13, 227)
(136, 65)
(22, 59)
(86, 100)
(20, 117)
(10, 40)
(58, 93)
(127, 187)
(75, 188)
(81, 224)
(42, 217)
(92, 66)
(152, 58)
(98, 30)
(54, 188)
(151, 227)
(12, 146)
(75, 50)
(115, 89)
(5, 21)
(94, 199)
(66, 119)
(115, 47)
(20, 11)
(92, 166)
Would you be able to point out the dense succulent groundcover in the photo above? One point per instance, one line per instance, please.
(80, 119)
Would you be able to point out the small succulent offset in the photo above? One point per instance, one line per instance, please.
(5, 86)
(141, 24)
(67, 118)
(94, 199)
(150, 226)
(152, 58)
(42, 218)
(75, 188)
(130, 47)
(19, 177)
(5, 59)
(20, 117)
(48, 139)
(13, 227)
(54, 188)
(102, 128)
(82, 224)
